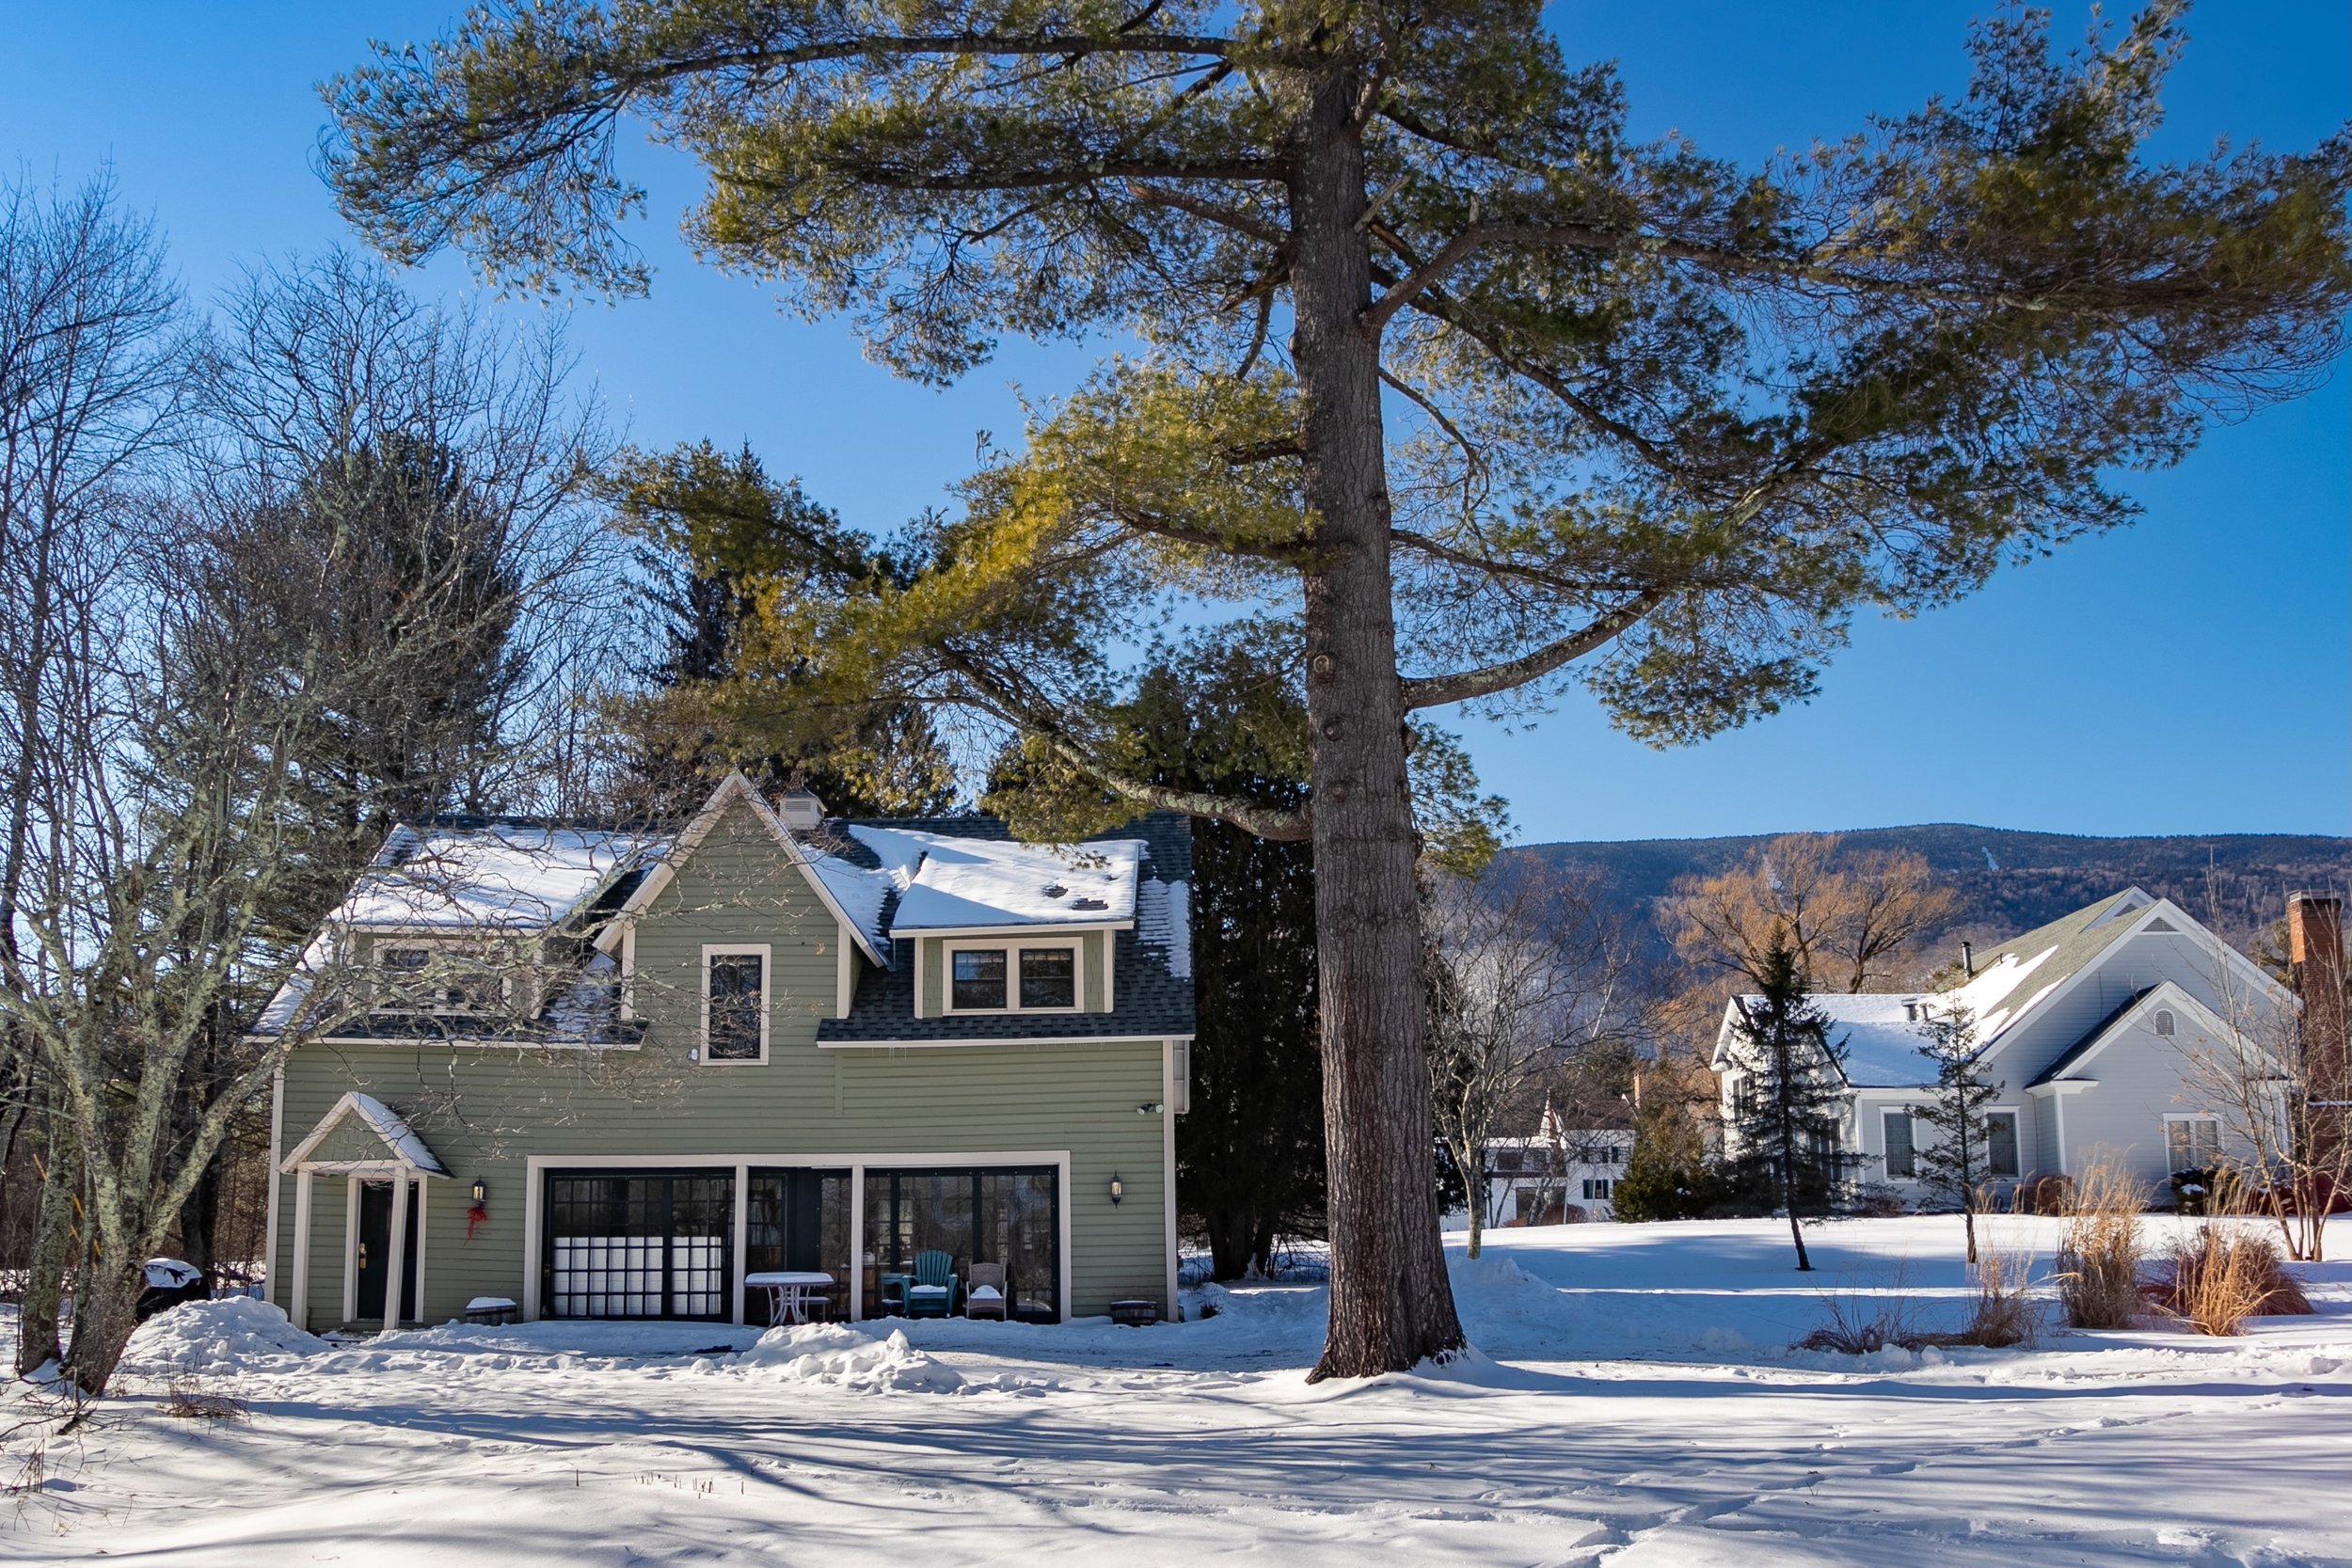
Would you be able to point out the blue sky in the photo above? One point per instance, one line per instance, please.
(2190, 674)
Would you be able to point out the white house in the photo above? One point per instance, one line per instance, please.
(2092, 1029)
(1537, 1180)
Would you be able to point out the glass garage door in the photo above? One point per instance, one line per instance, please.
(639, 1245)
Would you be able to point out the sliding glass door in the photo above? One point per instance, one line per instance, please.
(1008, 1216)
(797, 1220)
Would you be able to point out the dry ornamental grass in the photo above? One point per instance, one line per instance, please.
(2098, 1257)
(2222, 1276)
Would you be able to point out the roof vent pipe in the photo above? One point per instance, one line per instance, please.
(1968, 958)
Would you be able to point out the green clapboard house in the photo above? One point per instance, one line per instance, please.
(608, 1073)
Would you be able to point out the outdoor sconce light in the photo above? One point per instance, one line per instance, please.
(481, 1191)
(1118, 1190)
(1150, 1108)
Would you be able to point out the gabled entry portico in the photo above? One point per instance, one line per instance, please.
(384, 1165)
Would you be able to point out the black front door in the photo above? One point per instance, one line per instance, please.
(375, 1260)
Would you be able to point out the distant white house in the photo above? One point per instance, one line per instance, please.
(2091, 1029)
(1538, 1181)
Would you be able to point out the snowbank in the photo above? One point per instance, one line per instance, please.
(216, 1337)
(845, 1358)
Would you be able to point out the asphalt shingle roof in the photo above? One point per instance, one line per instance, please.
(1149, 998)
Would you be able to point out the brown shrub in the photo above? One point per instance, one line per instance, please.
(2098, 1257)
(2045, 1195)
(1861, 1322)
(1876, 1200)
(188, 1399)
(2222, 1276)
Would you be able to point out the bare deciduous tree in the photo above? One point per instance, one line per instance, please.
(1845, 914)
(1525, 969)
(90, 357)
(2276, 1076)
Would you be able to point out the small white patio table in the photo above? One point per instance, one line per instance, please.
(790, 1292)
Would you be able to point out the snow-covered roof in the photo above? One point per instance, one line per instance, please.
(863, 894)
(491, 874)
(956, 883)
(385, 1122)
(1163, 920)
(1881, 1038)
(1883, 1032)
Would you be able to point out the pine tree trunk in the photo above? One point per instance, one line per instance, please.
(1391, 1305)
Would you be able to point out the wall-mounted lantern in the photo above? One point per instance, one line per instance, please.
(481, 1191)
(1118, 1190)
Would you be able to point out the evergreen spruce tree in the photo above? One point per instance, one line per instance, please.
(1956, 1162)
(1789, 1102)
(1666, 1176)
(861, 759)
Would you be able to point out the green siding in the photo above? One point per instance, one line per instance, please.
(485, 1110)
(1090, 965)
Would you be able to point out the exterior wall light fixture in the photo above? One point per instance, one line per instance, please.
(1118, 1190)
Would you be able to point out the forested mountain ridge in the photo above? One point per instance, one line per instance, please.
(2009, 882)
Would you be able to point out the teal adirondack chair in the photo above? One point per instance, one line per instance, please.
(933, 1293)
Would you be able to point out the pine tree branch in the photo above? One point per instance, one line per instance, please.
(1437, 690)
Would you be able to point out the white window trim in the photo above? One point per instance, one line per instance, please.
(1012, 947)
(1886, 1147)
(628, 972)
(2172, 1116)
(761, 951)
(2017, 1123)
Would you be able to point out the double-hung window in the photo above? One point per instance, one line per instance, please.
(2000, 1143)
(1017, 977)
(735, 1004)
(2192, 1142)
(1902, 1153)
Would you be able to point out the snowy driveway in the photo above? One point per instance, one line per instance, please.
(973, 1444)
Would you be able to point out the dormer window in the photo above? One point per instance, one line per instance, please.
(1013, 977)
(412, 977)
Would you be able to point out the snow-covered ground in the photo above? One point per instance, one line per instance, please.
(1641, 1407)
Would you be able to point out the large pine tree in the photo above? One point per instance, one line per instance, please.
(1441, 362)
